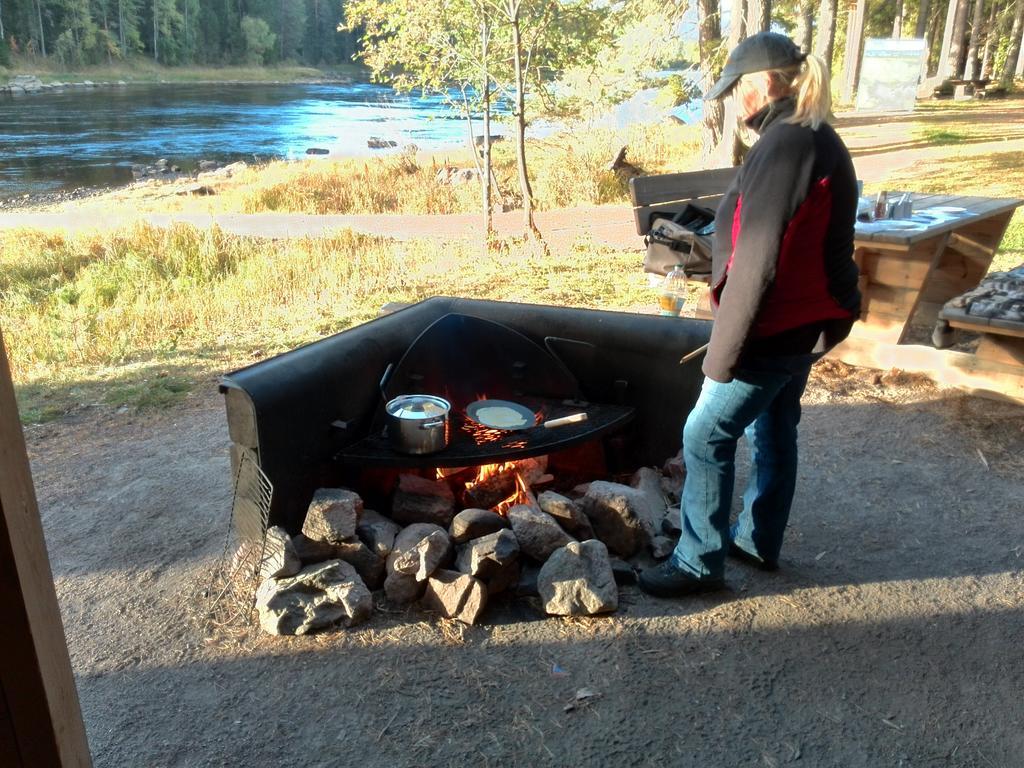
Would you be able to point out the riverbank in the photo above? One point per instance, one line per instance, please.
(142, 70)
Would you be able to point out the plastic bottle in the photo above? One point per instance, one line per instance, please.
(673, 292)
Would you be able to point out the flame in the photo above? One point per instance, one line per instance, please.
(521, 495)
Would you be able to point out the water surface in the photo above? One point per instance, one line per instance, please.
(55, 141)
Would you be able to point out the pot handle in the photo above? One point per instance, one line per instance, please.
(385, 379)
(432, 424)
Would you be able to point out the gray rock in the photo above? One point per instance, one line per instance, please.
(577, 580)
(474, 523)
(672, 524)
(279, 555)
(427, 556)
(624, 572)
(418, 500)
(456, 596)
(526, 586)
(367, 563)
(411, 535)
(672, 488)
(647, 480)
(567, 513)
(403, 587)
(612, 509)
(333, 515)
(661, 547)
(317, 597)
(494, 558)
(311, 551)
(538, 532)
(377, 532)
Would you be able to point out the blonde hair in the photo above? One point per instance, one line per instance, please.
(809, 82)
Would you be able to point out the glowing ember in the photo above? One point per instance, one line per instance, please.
(521, 496)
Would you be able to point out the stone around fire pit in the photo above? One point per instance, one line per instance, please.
(614, 510)
(493, 558)
(311, 551)
(317, 597)
(279, 555)
(456, 596)
(368, 565)
(418, 500)
(402, 586)
(538, 532)
(647, 480)
(567, 513)
(661, 547)
(427, 556)
(333, 515)
(474, 523)
(577, 580)
(377, 532)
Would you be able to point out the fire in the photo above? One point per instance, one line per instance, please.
(521, 495)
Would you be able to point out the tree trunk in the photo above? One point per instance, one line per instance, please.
(921, 26)
(1014, 61)
(805, 26)
(957, 47)
(156, 33)
(824, 46)
(854, 40)
(991, 36)
(946, 66)
(759, 16)
(897, 22)
(42, 34)
(709, 38)
(485, 38)
(120, 29)
(973, 68)
(2, 35)
(520, 115)
(729, 150)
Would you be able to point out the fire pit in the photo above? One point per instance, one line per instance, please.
(313, 420)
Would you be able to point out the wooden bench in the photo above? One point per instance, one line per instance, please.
(671, 192)
(1002, 341)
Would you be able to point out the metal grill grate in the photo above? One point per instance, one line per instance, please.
(235, 577)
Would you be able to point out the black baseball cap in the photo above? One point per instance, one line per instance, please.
(757, 53)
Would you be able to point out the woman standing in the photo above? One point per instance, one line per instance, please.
(784, 289)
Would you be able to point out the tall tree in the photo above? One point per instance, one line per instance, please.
(958, 39)
(897, 22)
(804, 36)
(1014, 62)
(921, 25)
(709, 39)
(824, 45)
(973, 66)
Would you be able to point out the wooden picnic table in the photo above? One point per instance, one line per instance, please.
(906, 275)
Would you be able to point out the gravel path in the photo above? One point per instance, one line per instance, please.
(889, 638)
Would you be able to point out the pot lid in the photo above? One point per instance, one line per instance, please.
(418, 407)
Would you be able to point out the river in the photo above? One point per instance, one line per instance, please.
(90, 137)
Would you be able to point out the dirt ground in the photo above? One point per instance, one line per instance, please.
(890, 637)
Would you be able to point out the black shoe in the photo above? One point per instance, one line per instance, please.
(758, 562)
(666, 580)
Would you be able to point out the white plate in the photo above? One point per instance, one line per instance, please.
(948, 210)
(900, 224)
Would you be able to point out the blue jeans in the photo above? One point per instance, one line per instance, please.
(763, 401)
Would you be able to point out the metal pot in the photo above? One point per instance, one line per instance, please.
(418, 423)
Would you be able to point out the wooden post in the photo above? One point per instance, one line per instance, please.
(40, 719)
(945, 66)
(854, 40)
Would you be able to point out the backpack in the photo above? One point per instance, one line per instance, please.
(680, 238)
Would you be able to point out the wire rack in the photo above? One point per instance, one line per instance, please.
(231, 596)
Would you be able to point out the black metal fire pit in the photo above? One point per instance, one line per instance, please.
(310, 415)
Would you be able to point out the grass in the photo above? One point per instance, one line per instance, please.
(941, 136)
(996, 174)
(138, 317)
(133, 317)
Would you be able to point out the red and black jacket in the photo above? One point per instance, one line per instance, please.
(783, 278)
